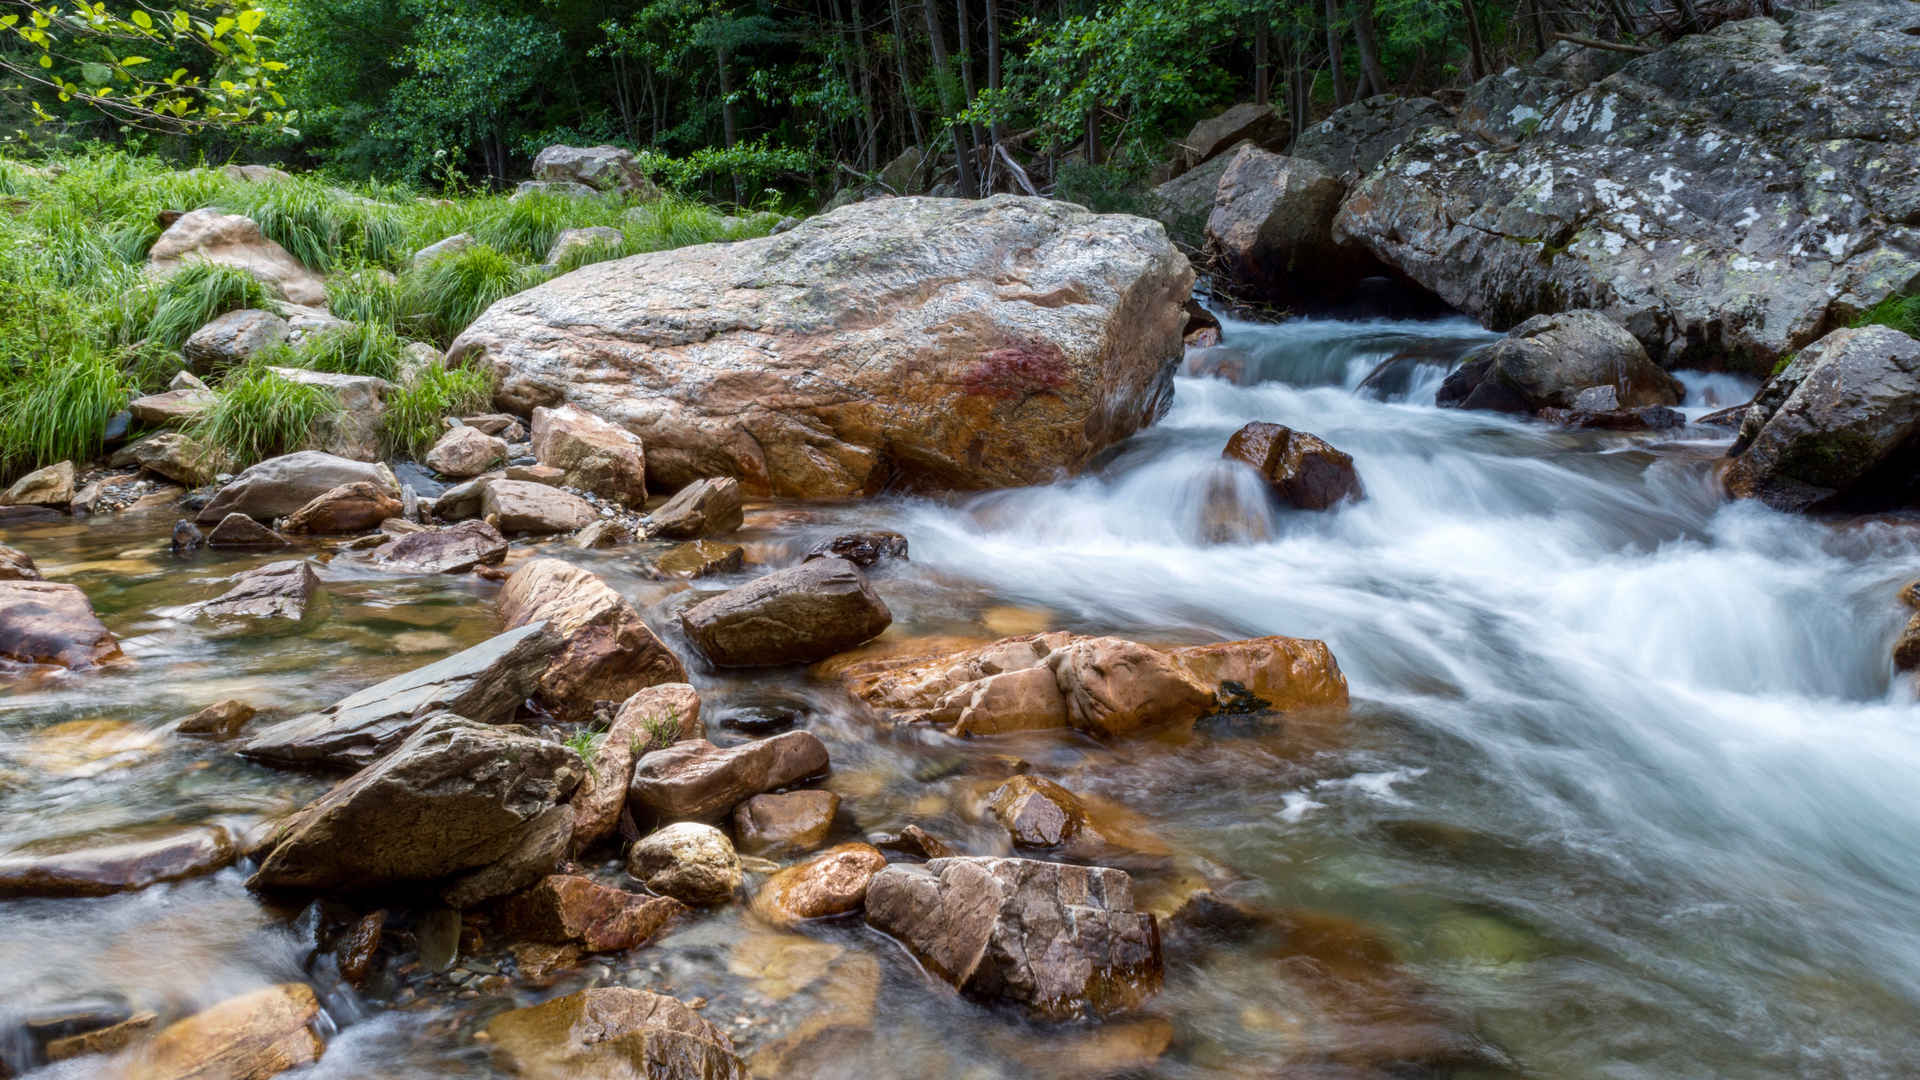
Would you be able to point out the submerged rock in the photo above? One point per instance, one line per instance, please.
(1300, 469)
(454, 797)
(116, 865)
(862, 549)
(793, 616)
(1063, 940)
(221, 720)
(455, 549)
(240, 531)
(43, 622)
(830, 360)
(612, 1033)
(486, 683)
(280, 590)
(1841, 422)
(608, 652)
(792, 821)
(251, 1037)
(696, 559)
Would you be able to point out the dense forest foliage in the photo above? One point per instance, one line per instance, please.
(745, 100)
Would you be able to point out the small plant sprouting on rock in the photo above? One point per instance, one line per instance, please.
(663, 730)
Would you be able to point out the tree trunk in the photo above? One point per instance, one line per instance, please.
(943, 82)
(1369, 51)
(966, 64)
(1261, 90)
(906, 79)
(1335, 68)
(1539, 21)
(728, 118)
(1476, 47)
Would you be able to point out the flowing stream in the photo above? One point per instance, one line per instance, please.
(1628, 789)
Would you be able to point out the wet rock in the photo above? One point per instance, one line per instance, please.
(349, 508)
(540, 964)
(114, 866)
(603, 168)
(172, 407)
(565, 909)
(585, 240)
(520, 507)
(455, 549)
(1677, 196)
(592, 454)
(651, 719)
(17, 565)
(1063, 940)
(186, 537)
(455, 796)
(691, 862)
(221, 720)
(1838, 423)
(696, 559)
(234, 240)
(50, 487)
(608, 652)
(1261, 125)
(725, 365)
(251, 1037)
(862, 549)
(436, 936)
(280, 590)
(793, 616)
(917, 842)
(541, 844)
(465, 452)
(231, 339)
(106, 1040)
(279, 486)
(359, 947)
(1355, 138)
(694, 780)
(1121, 1048)
(612, 1033)
(241, 531)
(168, 454)
(834, 882)
(486, 683)
(1906, 650)
(602, 534)
(1549, 360)
(42, 622)
(706, 507)
(1271, 230)
(1646, 418)
(1102, 685)
(787, 823)
(1037, 812)
(1302, 470)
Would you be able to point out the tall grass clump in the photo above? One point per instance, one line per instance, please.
(320, 225)
(352, 349)
(527, 226)
(192, 295)
(53, 410)
(439, 299)
(367, 295)
(257, 414)
(415, 410)
(675, 221)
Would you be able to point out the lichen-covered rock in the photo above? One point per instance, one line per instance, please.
(43, 622)
(1355, 138)
(609, 652)
(937, 343)
(1550, 360)
(1840, 423)
(232, 240)
(1063, 940)
(612, 1033)
(1727, 199)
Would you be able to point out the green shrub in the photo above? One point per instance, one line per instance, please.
(439, 299)
(412, 423)
(353, 349)
(192, 295)
(1104, 189)
(54, 410)
(257, 414)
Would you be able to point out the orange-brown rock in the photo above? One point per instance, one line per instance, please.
(609, 652)
(1103, 685)
(694, 780)
(567, 909)
(791, 821)
(358, 948)
(612, 1032)
(831, 883)
(349, 508)
(250, 1037)
(655, 717)
(221, 720)
(1301, 469)
(44, 622)
(116, 863)
(592, 454)
(17, 565)
(935, 343)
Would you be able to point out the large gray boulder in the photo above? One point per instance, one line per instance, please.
(1355, 138)
(1840, 423)
(487, 683)
(1063, 940)
(1548, 360)
(603, 168)
(455, 797)
(234, 337)
(279, 486)
(1262, 125)
(1270, 232)
(1183, 203)
(934, 343)
(207, 235)
(1726, 199)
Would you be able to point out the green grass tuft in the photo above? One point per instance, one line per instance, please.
(439, 299)
(353, 349)
(191, 296)
(528, 226)
(257, 415)
(322, 226)
(368, 295)
(1900, 313)
(57, 410)
(415, 410)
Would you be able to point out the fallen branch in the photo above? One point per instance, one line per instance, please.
(1013, 166)
(1596, 43)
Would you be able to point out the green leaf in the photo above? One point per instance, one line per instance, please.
(141, 19)
(130, 61)
(96, 74)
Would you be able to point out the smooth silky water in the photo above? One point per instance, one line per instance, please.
(1627, 790)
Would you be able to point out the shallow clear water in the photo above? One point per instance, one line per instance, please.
(1627, 790)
